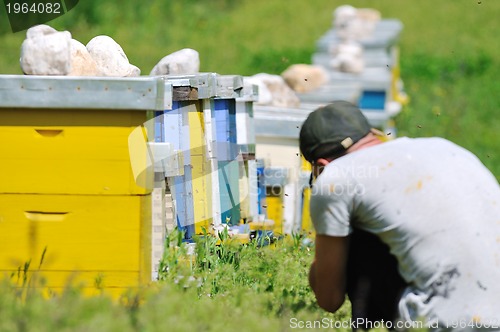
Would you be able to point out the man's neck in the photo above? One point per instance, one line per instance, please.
(367, 141)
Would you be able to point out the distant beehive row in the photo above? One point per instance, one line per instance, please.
(356, 60)
(95, 170)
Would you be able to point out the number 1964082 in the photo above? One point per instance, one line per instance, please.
(40, 8)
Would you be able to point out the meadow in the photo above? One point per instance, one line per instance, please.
(226, 287)
(450, 67)
(449, 50)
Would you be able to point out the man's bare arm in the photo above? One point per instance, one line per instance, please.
(327, 274)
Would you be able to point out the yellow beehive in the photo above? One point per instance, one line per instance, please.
(47, 151)
(201, 180)
(306, 225)
(266, 225)
(86, 238)
(274, 209)
(69, 203)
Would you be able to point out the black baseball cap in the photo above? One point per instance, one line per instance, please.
(330, 130)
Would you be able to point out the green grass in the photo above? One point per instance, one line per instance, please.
(225, 287)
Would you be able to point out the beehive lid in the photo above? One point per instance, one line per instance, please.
(131, 93)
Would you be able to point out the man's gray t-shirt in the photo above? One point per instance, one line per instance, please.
(438, 208)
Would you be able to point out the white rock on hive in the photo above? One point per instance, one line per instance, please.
(347, 57)
(110, 58)
(343, 14)
(304, 77)
(82, 64)
(182, 62)
(355, 23)
(264, 96)
(281, 94)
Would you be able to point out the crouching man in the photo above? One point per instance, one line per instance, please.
(409, 228)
